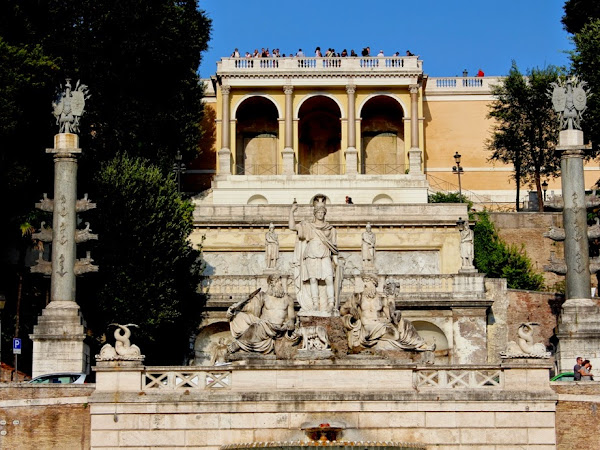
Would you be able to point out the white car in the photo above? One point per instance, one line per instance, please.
(60, 378)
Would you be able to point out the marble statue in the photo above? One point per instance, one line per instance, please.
(271, 247)
(315, 256)
(524, 347)
(569, 101)
(368, 248)
(314, 338)
(69, 107)
(373, 322)
(123, 349)
(466, 246)
(263, 317)
(218, 352)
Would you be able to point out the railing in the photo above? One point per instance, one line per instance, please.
(256, 169)
(384, 169)
(423, 379)
(458, 379)
(321, 169)
(483, 84)
(402, 285)
(307, 64)
(188, 380)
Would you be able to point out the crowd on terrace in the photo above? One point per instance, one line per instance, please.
(330, 53)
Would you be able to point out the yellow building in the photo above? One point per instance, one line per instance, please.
(377, 121)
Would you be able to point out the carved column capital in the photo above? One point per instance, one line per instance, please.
(350, 88)
(288, 89)
(414, 88)
(225, 89)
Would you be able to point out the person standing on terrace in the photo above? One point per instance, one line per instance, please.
(318, 53)
(300, 53)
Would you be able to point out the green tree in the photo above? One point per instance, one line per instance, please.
(526, 128)
(578, 13)
(140, 60)
(498, 260)
(149, 271)
(586, 64)
(449, 197)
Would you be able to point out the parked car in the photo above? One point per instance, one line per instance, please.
(565, 376)
(60, 378)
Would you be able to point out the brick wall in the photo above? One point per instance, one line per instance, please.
(45, 417)
(577, 415)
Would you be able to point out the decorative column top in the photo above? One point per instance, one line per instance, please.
(350, 88)
(569, 101)
(288, 89)
(69, 105)
(225, 89)
(414, 88)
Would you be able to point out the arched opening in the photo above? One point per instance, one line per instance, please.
(258, 200)
(382, 133)
(256, 137)
(206, 338)
(433, 334)
(382, 198)
(320, 132)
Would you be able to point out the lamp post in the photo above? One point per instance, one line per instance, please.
(545, 189)
(457, 169)
(2, 303)
(178, 168)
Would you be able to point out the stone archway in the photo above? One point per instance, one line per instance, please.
(432, 333)
(382, 134)
(257, 137)
(320, 137)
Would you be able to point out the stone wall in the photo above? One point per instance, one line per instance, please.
(513, 307)
(450, 408)
(527, 229)
(577, 415)
(42, 417)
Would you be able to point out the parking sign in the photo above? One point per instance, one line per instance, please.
(17, 346)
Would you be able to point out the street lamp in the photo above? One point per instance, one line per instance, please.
(545, 189)
(178, 168)
(457, 169)
(2, 303)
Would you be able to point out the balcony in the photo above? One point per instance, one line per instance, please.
(381, 64)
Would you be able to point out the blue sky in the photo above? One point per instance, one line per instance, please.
(449, 36)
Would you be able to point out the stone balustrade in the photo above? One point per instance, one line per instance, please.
(461, 84)
(484, 377)
(409, 64)
(405, 286)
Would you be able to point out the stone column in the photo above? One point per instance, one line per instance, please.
(288, 150)
(578, 329)
(58, 337)
(415, 153)
(351, 152)
(224, 154)
(575, 220)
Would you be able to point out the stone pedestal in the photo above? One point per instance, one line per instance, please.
(224, 156)
(578, 334)
(288, 156)
(414, 161)
(351, 161)
(58, 340)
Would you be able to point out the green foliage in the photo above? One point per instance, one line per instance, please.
(526, 127)
(149, 271)
(498, 260)
(449, 197)
(578, 13)
(586, 63)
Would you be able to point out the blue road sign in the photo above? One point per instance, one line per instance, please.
(17, 346)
